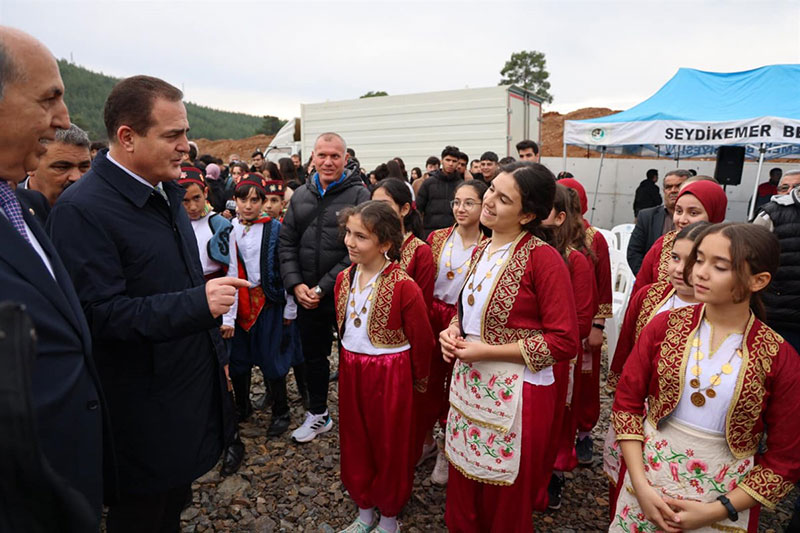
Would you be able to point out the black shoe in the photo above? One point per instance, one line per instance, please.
(554, 491)
(583, 449)
(232, 458)
(334, 377)
(278, 425)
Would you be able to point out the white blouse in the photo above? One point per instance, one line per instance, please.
(356, 339)
(203, 234)
(472, 315)
(710, 417)
(674, 302)
(248, 241)
(445, 289)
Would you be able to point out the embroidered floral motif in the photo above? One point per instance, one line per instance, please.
(408, 250)
(590, 231)
(438, 239)
(766, 486)
(341, 297)
(488, 451)
(378, 320)
(604, 311)
(498, 388)
(653, 301)
(748, 397)
(671, 363)
(628, 426)
(666, 256)
(612, 380)
(535, 352)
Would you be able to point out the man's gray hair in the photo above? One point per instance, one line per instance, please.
(73, 136)
(9, 72)
(789, 173)
(329, 136)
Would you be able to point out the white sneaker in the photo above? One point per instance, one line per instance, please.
(312, 426)
(441, 469)
(428, 451)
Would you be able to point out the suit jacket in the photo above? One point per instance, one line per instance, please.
(649, 227)
(36, 202)
(64, 384)
(135, 263)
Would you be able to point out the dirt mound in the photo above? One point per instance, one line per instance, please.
(553, 131)
(223, 148)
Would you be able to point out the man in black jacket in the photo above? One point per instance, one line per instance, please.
(312, 253)
(654, 222)
(131, 251)
(647, 194)
(436, 193)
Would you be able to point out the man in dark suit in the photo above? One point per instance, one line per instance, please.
(130, 249)
(647, 193)
(64, 389)
(654, 222)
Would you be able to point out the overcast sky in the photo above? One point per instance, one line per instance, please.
(269, 57)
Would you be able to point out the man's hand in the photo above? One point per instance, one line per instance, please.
(306, 296)
(226, 331)
(221, 293)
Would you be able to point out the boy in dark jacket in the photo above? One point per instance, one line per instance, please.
(436, 193)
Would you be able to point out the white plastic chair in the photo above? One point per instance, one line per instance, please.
(622, 285)
(611, 239)
(622, 234)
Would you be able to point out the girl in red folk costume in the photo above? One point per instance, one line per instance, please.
(452, 250)
(699, 388)
(386, 345)
(569, 238)
(415, 254)
(516, 319)
(650, 301)
(698, 201)
(587, 401)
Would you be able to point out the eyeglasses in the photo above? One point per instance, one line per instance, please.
(466, 204)
(786, 187)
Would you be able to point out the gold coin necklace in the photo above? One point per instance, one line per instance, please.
(477, 288)
(355, 312)
(451, 272)
(698, 397)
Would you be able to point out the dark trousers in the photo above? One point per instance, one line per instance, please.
(148, 513)
(316, 334)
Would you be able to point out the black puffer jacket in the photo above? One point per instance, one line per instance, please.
(782, 296)
(433, 200)
(311, 249)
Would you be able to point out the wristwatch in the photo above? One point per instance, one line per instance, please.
(732, 514)
(601, 327)
(318, 290)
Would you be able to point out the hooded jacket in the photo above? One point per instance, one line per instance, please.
(311, 249)
(433, 200)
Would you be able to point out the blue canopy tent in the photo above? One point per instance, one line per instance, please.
(695, 112)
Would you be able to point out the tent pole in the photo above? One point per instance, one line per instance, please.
(597, 185)
(564, 164)
(761, 151)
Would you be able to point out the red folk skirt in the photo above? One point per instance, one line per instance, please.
(436, 400)
(587, 404)
(375, 429)
(475, 507)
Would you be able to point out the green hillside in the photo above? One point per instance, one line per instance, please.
(86, 92)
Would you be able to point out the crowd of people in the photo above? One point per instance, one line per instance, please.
(467, 304)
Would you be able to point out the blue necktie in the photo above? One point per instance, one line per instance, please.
(10, 204)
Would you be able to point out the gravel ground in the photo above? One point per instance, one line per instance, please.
(290, 487)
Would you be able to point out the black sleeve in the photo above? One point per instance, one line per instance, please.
(94, 264)
(289, 248)
(637, 246)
